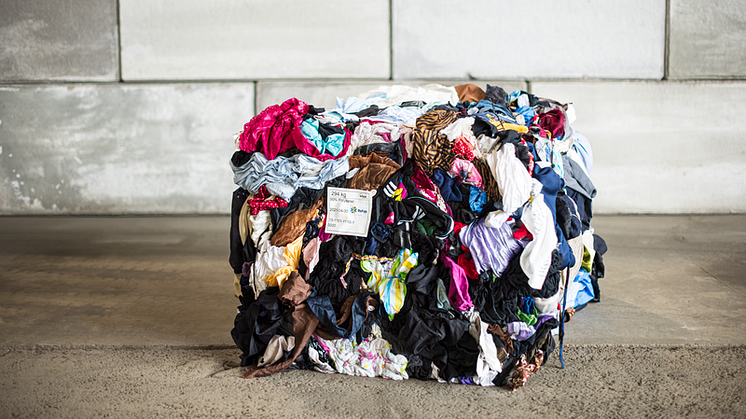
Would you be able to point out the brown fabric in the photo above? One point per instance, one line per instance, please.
(304, 323)
(470, 92)
(295, 290)
(488, 181)
(375, 170)
(504, 337)
(431, 150)
(295, 225)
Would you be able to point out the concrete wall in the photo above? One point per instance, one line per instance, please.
(129, 106)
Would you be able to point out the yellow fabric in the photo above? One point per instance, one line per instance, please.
(237, 285)
(243, 221)
(505, 126)
(388, 278)
(586, 260)
(292, 256)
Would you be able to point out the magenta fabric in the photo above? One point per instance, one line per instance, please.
(458, 291)
(554, 121)
(277, 129)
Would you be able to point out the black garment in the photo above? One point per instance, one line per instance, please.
(240, 158)
(598, 270)
(333, 257)
(392, 150)
(542, 340)
(497, 298)
(313, 111)
(552, 281)
(325, 130)
(303, 198)
(256, 322)
(373, 110)
(567, 220)
(496, 95)
(239, 252)
(584, 207)
(412, 103)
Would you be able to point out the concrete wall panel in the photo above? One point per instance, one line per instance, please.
(672, 147)
(498, 39)
(325, 94)
(72, 40)
(254, 39)
(707, 39)
(119, 149)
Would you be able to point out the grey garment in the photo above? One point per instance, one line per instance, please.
(575, 178)
(283, 176)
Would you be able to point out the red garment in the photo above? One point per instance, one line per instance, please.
(522, 233)
(277, 129)
(457, 227)
(260, 202)
(466, 262)
(463, 148)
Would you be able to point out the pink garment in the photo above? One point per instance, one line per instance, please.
(466, 172)
(277, 129)
(427, 188)
(458, 291)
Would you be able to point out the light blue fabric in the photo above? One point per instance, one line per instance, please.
(583, 147)
(333, 144)
(585, 291)
(527, 112)
(513, 96)
(283, 176)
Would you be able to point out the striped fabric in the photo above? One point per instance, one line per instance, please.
(388, 276)
(488, 180)
(432, 150)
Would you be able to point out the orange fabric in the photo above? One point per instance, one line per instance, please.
(470, 92)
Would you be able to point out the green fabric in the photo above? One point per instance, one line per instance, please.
(529, 319)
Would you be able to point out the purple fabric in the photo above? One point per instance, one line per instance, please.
(520, 331)
(277, 129)
(458, 292)
(542, 319)
(491, 248)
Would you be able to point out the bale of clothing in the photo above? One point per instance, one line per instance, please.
(479, 245)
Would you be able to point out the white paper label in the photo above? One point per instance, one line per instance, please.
(348, 211)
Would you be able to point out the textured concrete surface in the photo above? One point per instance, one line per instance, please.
(545, 39)
(70, 40)
(609, 382)
(119, 148)
(166, 281)
(325, 94)
(257, 39)
(707, 39)
(659, 147)
(130, 317)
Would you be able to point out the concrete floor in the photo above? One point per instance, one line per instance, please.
(138, 281)
(131, 317)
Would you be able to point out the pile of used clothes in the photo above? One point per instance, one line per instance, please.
(478, 243)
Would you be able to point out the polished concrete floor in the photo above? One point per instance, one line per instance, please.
(148, 281)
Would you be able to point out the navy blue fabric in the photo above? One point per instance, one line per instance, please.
(321, 306)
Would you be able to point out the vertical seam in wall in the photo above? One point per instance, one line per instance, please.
(119, 43)
(256, 102)
(528, 87)
(391, 40)
(666, 40)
